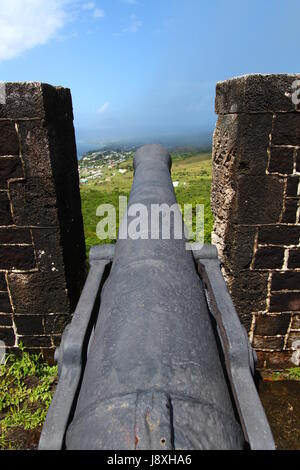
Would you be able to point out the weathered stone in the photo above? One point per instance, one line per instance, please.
(296, 322)
(38, 294)
(256, 93)
(9, 142)
(289, 280)
(279, 235)
(259, 200)
(29, 324)
(294, 341)
(286, 129)
(271, 325)
(274, 360)
(248, 291)
(298, 161)
(269, 342)
(255, 201)
(15, 257)
(292, 186)
(294, 259)
(10, 168)
(239, 248)
(290, 211)
(42, 244)
(3, 286)
(7, 335)
(34, 138)
(5, 320)
(36, 341)
(35, 100)
(34, 202)
(55, 324)
(285, 302)
(5, 306)
(281, 160)
(5, 213)
(269, 258)
(49, 252)
(13, 236)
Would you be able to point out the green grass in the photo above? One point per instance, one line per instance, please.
(294, 373)
(26, 390)
(194, 171)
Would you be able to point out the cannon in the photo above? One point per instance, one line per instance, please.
(155, 356)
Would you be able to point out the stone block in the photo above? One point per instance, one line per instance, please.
(294, 340)
(36, 341)
(296, 322)
(7, 335)
(256, 93)
(294, 259)
(5, 212)
(268, 342)
(5, 320)
(281, 160)
(3, 286)
(38, 294)
(15, 235)
(29, 324)
(286, 129)
(271, 325)
(269, 258)
(9, 142)
(5, 306)
(259, 200)
(274, 360)
(34, 202)
(279, 235)
(15, 257)
(10, 168)
(292, 186)
(285, 302)
(289, 280)
(248, 291)
(35, 100)
(290, 211)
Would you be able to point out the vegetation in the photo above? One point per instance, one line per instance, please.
(26, 389)
(294, 373)
(192, 172)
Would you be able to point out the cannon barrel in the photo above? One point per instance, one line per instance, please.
(154, 375)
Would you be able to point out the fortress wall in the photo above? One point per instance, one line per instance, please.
(255, 200)
(42, 248)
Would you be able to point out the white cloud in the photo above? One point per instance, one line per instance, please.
(25, 24)
(103, 108)
(134, 25)
(98, 13)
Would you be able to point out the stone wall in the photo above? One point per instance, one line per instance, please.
(42, 249)
(255, 200)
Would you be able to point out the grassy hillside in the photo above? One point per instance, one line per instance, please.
(193, 172)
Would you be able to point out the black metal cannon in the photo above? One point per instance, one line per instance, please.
(155, 356)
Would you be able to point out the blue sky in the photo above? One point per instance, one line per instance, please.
(145, 67)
